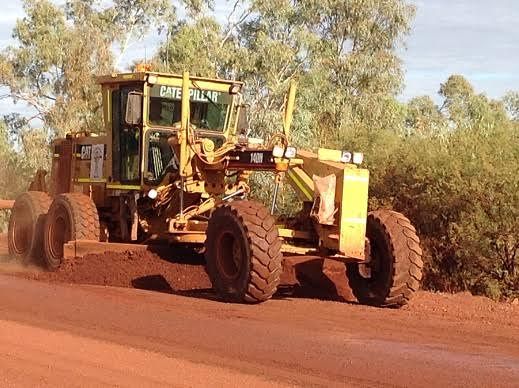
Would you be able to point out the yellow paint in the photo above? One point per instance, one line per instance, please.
(88, 180)
(116, 78)
(288, 248)
(236, 107)
(292, 233)
(351, 196)
(325, 154)
(188, 238)
(295, 162)
(123, 187)
(354, 212)
(302, 183)
(289, 109)
(184, 124)
(107, 107)
(145, 128)
(202, 83)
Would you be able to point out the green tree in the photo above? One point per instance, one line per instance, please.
(460, 189)
(511, 101)
(343, 53)
(357, 64)
(424, 117)
(20, 157)
(60, 50)
(51, 69)
(467, 110)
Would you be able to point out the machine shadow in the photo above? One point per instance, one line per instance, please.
(314, 278)
(158, 283)
(302, 277)
(179, 255)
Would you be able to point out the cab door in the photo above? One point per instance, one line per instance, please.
(126, 139)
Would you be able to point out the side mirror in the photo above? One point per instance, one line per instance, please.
(134, 108)
(235, 88)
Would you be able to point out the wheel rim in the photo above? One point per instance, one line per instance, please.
(371, 269)
(377, 271)
(22, 231)
(229, 255)
(59, 233)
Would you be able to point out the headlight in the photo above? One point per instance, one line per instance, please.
(152, 194)
(358, 157)
(290, 152)
(346, 157)
(278, 151)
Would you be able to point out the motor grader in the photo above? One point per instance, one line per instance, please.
(172, 165)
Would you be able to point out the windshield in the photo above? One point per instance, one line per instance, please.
(209, 109)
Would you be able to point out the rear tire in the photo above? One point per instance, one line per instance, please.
(71, 216)
(394, 271)
(26, 226)
(243, 252)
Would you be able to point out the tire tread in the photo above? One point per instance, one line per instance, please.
(265, 247)
(407, 264)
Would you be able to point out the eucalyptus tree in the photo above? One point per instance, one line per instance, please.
(58, 51)
(344, 54)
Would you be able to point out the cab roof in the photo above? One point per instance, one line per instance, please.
(154, 77)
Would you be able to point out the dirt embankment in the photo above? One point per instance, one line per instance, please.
(145, 270)
(162, 270)
(182, 272)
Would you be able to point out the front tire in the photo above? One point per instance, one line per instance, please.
(72, 216)
(394, 270)
(26, 226)
(243, 252)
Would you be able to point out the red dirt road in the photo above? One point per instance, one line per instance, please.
(58, 334)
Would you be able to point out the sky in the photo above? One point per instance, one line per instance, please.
(476, 38)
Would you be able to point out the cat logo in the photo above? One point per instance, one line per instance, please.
(86, 151)
(256, 157)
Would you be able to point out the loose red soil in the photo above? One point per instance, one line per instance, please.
(133, 338)
(145, 270)
(183, 272)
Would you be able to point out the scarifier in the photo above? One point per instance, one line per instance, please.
(172, 166)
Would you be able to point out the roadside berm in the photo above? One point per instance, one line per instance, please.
(180, 270)
(183, 273)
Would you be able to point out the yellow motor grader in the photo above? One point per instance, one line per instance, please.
(172, 166)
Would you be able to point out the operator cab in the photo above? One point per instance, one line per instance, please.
(144, 111)
(209, 114)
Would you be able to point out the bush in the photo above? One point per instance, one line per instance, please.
(462, 193)
(20, 159)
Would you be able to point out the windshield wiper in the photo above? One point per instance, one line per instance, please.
(205, 95)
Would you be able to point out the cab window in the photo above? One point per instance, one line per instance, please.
(161, 157)
(209, 109)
